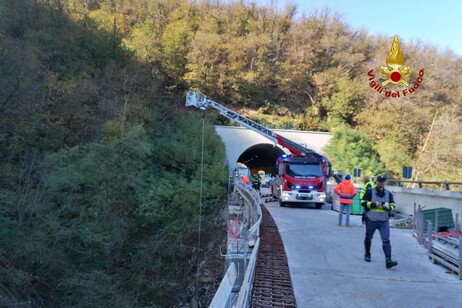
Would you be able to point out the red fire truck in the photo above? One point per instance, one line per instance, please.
(300, 176)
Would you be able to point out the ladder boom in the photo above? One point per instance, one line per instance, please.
(200, 101)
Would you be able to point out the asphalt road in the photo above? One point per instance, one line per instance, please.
(328, 270)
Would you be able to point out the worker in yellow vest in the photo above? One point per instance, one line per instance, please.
(368, 184)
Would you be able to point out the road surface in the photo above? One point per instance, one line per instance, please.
(328, 270)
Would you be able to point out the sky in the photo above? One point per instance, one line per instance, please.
(436, 22)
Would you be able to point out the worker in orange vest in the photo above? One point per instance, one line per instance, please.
(245, 179)
(346, 192)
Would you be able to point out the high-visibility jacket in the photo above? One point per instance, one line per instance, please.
(346, 191)
(368, 185)
(261, 174)
(382, 197)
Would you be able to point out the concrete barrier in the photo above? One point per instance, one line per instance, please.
(405, 198)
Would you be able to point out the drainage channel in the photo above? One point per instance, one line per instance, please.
(272, 286)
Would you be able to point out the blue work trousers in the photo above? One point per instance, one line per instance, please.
(384, 230)
(347, 208)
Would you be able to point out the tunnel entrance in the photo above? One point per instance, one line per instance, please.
(261, 157)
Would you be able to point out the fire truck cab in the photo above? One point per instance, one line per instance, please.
(299, 179)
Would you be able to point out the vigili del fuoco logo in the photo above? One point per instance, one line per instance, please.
(395, 73)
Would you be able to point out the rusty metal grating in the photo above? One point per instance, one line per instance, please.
(272, 286)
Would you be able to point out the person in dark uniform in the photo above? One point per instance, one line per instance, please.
(379, 202)
(256, 182)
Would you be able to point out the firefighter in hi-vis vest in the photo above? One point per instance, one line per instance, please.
(256, 182)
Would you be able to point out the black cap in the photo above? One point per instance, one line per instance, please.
(381, 178)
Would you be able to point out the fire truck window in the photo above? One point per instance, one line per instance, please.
(304, 170)
(289, 171)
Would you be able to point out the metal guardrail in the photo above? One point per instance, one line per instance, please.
(252, 200)
(421, 184)
(243, 237)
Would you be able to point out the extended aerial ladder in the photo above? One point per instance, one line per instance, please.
(202, 102)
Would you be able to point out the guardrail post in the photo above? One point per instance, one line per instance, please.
(430, 235)
(436, 221)
(446, 186)
(420, 225)
(457, 222)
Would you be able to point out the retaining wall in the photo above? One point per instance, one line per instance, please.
(427, 198)
(405, 198)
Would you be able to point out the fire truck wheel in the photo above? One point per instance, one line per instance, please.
(282, 204)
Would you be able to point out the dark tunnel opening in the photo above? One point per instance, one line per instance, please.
(260, 157)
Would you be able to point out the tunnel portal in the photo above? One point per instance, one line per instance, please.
(261, 157)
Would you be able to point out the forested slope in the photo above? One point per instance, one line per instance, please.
(100, 172)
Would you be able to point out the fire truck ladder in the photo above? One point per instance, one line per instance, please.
(199, 100)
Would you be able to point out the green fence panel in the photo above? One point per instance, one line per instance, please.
(356, 207)
(445, 218)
